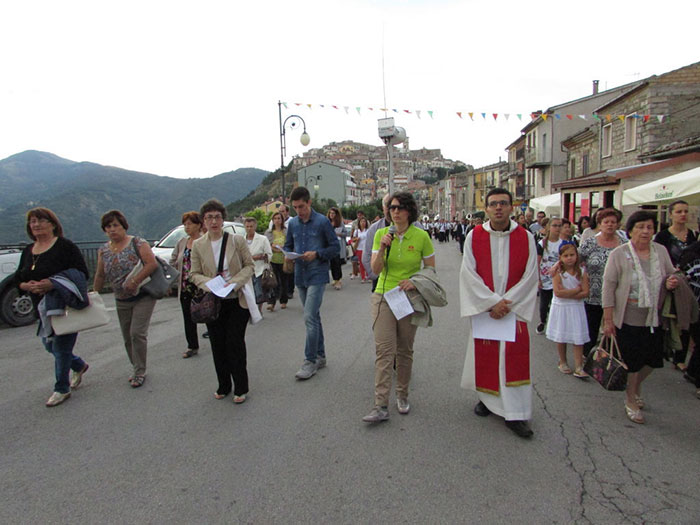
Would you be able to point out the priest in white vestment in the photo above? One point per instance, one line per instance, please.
(499, 276)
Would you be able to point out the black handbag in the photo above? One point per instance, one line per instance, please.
(268, 279)
(162, 278)
(205, 306)
(605, 365)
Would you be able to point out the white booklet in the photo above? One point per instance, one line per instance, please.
(290, 255)
(399, 303)
(486, 327)
(218, 286)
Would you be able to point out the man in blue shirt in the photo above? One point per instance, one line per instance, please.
(311, 235)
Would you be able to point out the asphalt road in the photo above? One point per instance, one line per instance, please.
(298, 452)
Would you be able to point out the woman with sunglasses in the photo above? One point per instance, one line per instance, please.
(398, 252)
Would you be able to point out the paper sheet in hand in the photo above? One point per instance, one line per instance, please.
(485, 327)
(399, 303)
(290, 255)
(218, 286)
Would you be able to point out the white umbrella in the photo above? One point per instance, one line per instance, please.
(550, 204)
(681, 186)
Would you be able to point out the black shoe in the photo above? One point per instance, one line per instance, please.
(540, 329)
(205, 335)
(521, 428)
(481, 410)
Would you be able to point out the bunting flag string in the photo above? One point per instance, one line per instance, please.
(607, 118)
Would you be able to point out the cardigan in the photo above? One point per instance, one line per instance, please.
(240, 264)
(617, 278)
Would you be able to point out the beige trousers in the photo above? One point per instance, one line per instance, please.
(134, 319)
(394, 342)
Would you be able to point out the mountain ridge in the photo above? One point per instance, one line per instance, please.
(80, 192)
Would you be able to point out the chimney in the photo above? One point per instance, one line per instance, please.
(595, 87)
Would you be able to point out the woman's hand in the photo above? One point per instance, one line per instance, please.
(40, 287)
(406, 285)
(671, 282)
(131, 286)
(608, 328)
(386, 240)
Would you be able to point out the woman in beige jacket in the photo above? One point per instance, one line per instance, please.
(634, 275)
(227, 333)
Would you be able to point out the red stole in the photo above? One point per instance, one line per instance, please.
(486, 352)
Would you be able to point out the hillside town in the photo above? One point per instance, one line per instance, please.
(569, 159)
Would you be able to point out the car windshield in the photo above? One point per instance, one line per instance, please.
(170, 240)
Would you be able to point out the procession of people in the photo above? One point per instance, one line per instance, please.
(584, 286)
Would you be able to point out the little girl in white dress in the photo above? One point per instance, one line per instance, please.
(567, 319)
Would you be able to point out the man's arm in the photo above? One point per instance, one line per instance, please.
(332, 247)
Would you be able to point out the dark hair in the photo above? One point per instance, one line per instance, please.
(47, 214)
(111, 216)
(213, 205)
(673, 204)
(564, 220)
(608, 212)
(359, 223)
(338, 219)
(192, 216)
(251, 219)
(499, 191)
(580, 222)
(300, 193)
(543, 213)
(407, 201)
(640, 216)
(272, 219)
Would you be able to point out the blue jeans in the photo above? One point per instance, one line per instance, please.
(311, 298)
(61, 346)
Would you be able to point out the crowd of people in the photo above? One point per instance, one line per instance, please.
(594, 281)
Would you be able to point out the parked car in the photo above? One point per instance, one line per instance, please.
(16, 308)
(164, 247)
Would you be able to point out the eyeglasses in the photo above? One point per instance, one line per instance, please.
(210, 218)
(397, 207)
(494, 204)
(34, 220)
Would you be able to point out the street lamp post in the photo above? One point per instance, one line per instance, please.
(305, 139)
(316, 179)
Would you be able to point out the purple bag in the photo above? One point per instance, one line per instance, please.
(605, 365)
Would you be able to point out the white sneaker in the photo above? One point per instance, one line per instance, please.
(56, 399)
(402, 405)
(307, 370)
(77, 377)
(377, 415)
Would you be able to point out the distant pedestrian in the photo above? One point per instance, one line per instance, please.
(277, 236)
(260, 251)
(336, 220)
(311, 235)
(359, 243)
(44, 267)
(547, 256)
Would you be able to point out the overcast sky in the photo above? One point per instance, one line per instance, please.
(190, 89)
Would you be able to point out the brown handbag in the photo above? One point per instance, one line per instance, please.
(205, 306)
(268, 280)
(288, 266)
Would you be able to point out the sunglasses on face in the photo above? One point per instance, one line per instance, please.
(397, 207)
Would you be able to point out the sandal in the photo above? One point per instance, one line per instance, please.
(239, 399)
(137, 381)
(635, 416)
(219, 396)
(564, 368)
(639, 401)
(681, 366)
(190, 352)
(270, 307)
(581, 374)
(284, 306)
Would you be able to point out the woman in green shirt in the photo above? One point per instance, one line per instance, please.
(277, 235)
(398, 252)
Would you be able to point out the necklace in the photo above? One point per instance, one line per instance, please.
(35, 258)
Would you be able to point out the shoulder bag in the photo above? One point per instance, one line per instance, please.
(205, 306)
(605, 365)
(73, 320)
(162, 278)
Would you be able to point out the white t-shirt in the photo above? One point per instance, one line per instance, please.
(216, 249)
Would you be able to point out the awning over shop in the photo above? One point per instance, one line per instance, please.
(550, 204)
(684, 186)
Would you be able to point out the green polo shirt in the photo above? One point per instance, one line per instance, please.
(405, 257)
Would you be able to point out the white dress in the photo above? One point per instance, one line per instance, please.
(567, 317)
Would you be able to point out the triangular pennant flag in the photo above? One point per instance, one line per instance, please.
(608, 117)
(346, 108)
(322, 105)
(520, 116)
(407, 111)
(660, 118)
(285, 105)
(418, 113)
(383, 109)
(557, 116)
(533, 116)
(506, 115)
(621, 117)
(430, 113)
(595, 116)
(336, 107)
(495, 116)
(582, 117)
(483, 115)
(646, 118)
(358, 109)
(471, 115)
(371, 109)
(544, 117)
(297, 103)
(309, 106)
(395, 110)
(459, 114)
(570, 117)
